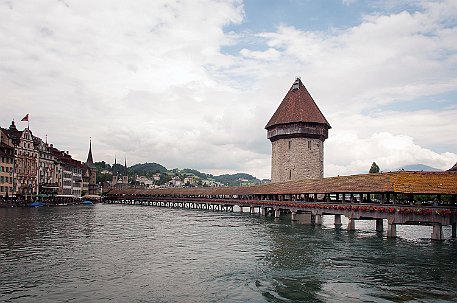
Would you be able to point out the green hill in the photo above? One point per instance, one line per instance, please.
(236, 179)
(147, 169)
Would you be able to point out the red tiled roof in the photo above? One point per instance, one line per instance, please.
(395, 182)
(297, 106)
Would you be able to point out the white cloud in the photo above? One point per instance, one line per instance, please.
(351, 154)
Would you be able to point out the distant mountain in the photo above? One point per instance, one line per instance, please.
(147, 169)
(419, 167)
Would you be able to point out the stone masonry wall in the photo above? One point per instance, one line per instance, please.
(296, 159)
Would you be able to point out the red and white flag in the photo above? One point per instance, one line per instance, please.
(26, 118)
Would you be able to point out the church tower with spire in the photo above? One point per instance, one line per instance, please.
(297, 131)
(115, 173)
(92, 171)
(125, 173)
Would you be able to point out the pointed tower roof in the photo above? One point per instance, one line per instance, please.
(114, 166)
(297, 106)
(125, 167)
(453, 168)
(89, 161)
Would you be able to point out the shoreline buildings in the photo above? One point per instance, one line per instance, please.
(31, 167)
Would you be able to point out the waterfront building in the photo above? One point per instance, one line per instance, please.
(47, 168)
(6, 165)
(69, 172)
(86, 179)
(26, 164)
(297, 131)
(57, 154)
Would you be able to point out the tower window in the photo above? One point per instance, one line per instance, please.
(309, 145)
(290, 174)
(290, 143)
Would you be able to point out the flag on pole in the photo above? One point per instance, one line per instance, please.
(26, 118)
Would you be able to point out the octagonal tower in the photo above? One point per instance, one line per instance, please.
(297, 131)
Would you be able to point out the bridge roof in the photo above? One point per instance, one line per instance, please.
(392, 182)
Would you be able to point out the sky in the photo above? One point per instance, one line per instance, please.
(192, 83)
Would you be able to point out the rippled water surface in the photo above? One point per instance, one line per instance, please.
(114, 253)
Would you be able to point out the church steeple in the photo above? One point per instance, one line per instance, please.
(114, 166)
(125, 167)
(125, 174)
(90, 160)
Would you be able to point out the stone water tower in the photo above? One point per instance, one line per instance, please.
(297, 131)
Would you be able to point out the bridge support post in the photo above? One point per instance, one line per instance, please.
(293, 216)
(318, 219)
(277, 213)
(241, 209)
(379, 227)
(338, 221)
(391, 230)
(251, 210)
(437, 233)
(351, 225)
(262, 211)
(454, 230)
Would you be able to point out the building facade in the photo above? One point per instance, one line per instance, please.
(6, 165)
(26, 160)
(47, 168)
(297, 131)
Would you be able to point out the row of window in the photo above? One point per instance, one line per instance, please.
(26, 153)
(5, 169)
(4, 179)
(4, 189)
(7, 160)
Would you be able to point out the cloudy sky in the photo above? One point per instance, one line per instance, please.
(193, 83)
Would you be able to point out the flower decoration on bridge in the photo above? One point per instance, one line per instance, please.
(443, 212)
(423, 212)
(405, 211)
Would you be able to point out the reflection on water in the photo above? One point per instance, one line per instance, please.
(114, 253)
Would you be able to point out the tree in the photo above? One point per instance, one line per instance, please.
(374, 168)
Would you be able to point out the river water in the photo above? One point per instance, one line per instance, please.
(115, 253)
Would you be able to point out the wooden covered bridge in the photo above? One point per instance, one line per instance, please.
(389, 196)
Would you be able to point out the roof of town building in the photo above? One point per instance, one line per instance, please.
(13, 133)
(297, 106)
